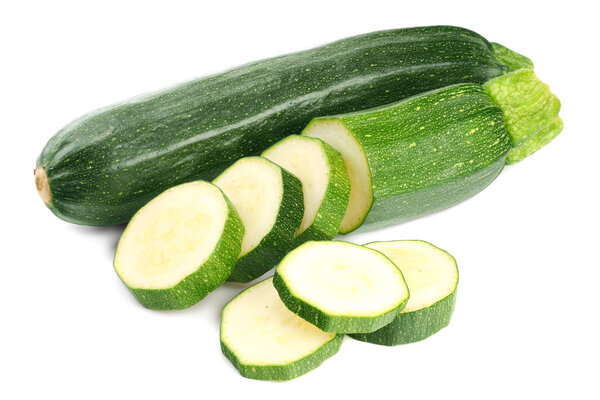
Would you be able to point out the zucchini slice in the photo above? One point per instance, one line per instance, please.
(265, 340)
(432, 277)
(180, 246)
(269, 201)
(341, 287)
(325, 183)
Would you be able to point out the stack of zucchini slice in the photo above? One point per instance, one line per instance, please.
(288, 325)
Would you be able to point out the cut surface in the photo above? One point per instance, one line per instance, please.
(255, 188)
(334, 133)
(304, 157)
(430, 272)
(259, 330)
(343, 279)
(172, 236)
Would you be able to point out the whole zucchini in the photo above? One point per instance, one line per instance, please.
(101, 168)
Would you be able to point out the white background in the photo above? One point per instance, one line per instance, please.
(526, 319)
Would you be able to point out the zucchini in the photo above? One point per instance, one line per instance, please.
(325, 184)
(265, 340)
(432, 276)
(269, 201)
(417, 156)
(435, 149)
(341, 287)
(101, 168)
(180, 246)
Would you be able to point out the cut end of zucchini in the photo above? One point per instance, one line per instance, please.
(528, 105)
(265, 340)
(432, 277)
(254, 186)
(180, 246)
(341, 287)
(42, 184)
(335, 133)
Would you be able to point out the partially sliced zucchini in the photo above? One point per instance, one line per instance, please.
(269, 201)
(325, 183)
(432, 277)
(341, 287)
(265, 340)
(180, 246)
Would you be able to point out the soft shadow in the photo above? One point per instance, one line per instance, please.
(112, 234)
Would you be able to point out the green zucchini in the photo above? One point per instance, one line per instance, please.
(432, 276)
(264, 340)
(341, 287)
(269, 201)
(180, 246)
(432, 150)
(325, 184)
(101, 168)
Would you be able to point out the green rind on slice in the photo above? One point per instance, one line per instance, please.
(417, 156)
(325, 183)
(341, 287)
(527, 103)
(269, 201)
(510, 60)
(432, 277)
(179, 247)
(264, 340)
(535, 142)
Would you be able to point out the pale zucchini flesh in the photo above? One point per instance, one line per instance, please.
(265, 340)
(341, 287)
(339, 137)
(325, 183)
(432, 277)
(269, 201)
(180, 246)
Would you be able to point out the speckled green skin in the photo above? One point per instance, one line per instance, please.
(335, 200)
(288, 371)
(412, 326)
(429, 152)
(280, 240)
(282, 372)
(209, 276)
(105, 165)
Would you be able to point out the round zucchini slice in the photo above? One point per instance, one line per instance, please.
(432, 277)
(325, 183)
(265, 340)
(180, 246)
(269, 201)
(341, 287)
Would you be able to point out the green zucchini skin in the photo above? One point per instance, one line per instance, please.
(332, 323)
(280, 240)
(212, 274)
(104, 166)
(412, 326)
(288, 371)
(428, 152)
